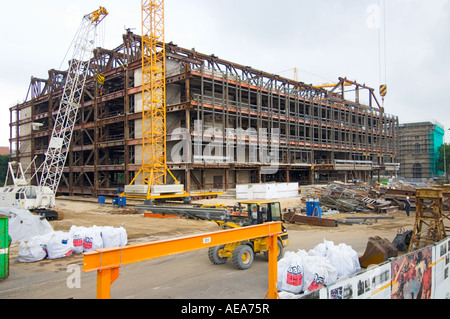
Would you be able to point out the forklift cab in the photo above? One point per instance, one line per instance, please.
(261, 211)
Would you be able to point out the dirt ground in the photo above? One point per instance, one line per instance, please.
(87, 212)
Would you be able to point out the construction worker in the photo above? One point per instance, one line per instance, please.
(255, 215)
(407, 205)
(263, 214)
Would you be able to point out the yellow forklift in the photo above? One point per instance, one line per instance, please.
(247, 213)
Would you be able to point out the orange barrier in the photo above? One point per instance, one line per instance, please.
(161, 215)
(108, 261)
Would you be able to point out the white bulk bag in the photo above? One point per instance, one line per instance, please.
(92, 239)
(77, 234)
(342, 257)
(317, 272)
(123, 236)
(113, 237)
(34, 249)
(59, 245)
(290, 273)
(24, 225)
(30, 252)
(322, 249)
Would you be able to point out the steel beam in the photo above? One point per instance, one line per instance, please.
(108, 261)
(313, 221)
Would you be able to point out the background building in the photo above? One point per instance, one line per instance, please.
(4, 150)
(226, 124)
(419, 149)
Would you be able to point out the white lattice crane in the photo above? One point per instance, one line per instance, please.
(40, 198)
(59, 143)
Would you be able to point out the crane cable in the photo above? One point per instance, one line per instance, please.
(99, 40)
(70, 47)
(382, 49)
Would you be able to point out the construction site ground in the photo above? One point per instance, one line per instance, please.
(182, 276)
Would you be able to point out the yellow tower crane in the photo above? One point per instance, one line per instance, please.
(154, 166)
(154, 152)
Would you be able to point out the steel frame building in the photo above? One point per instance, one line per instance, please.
(321, 134)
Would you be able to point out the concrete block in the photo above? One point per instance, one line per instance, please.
(136, 189)
(174, 189)
(266, 191)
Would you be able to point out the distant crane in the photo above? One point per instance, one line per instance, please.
(295, 73)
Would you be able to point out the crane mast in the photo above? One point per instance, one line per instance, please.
(59, 143)
(154, 165)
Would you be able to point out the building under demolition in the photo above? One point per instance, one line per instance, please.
(226, 123)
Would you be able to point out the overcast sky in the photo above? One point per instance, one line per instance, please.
(323, 39)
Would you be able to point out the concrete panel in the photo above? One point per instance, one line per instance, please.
(266, 190)
(173, 94)
(175, 189)
(138, 154)
(138, 128)
(137, 77)
(137, 190)
(173, 67)
(25, 129)
(25, 147)
(25, 113)
(137, 102)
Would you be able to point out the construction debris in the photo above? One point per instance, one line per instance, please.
(361, 197)
(355, 198)
(344, 198)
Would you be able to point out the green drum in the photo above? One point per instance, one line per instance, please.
(5, 240)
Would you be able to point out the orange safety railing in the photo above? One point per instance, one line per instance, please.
(107, 261)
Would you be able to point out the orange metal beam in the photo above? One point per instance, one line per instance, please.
(107, 261)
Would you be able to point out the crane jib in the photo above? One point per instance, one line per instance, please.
(59, 143)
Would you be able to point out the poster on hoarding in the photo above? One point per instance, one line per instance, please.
(411, 275)
(373, 283)
(441, 280)
(343, 289)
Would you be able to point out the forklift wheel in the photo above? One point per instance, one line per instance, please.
(243, 257)
(213, 254)
(279, 251)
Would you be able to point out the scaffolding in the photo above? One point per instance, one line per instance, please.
(419, 143)
(226, 124)
(429, 225)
